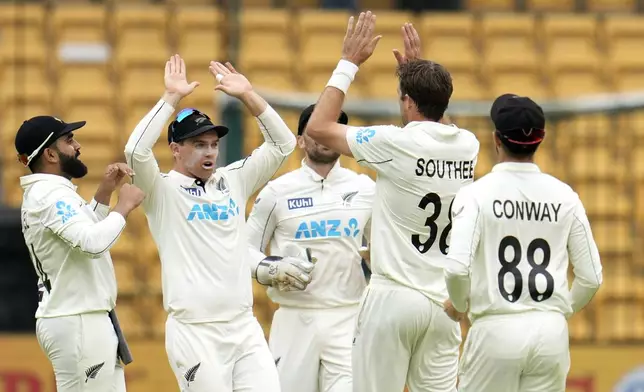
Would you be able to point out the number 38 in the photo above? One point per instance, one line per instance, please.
(435, 200)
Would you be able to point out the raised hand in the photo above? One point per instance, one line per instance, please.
(176, 82)
(114, 174)
(230, 81)
(411, 42)
(359, 41)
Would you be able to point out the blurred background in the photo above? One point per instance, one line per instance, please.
(103, 61)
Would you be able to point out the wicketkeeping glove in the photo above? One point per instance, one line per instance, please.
(286, 273)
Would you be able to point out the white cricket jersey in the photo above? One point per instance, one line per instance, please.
(420, 168)
(514, 231)
(199, 228)
(69, 242)
(330, 215)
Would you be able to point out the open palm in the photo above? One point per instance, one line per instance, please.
(231, 82)
(175, 77)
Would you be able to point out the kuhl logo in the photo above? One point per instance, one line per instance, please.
(365, 135)
(300, 202)
(192, 191)
(327, 228)
(65, 211)
(213, 212)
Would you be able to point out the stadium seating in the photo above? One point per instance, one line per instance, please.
(553, 53)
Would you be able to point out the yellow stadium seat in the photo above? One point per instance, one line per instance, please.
(80, 23)
(610, 5)
(612, 237)
(273, 79)
(580, 327)
(525, 82)
(504, 36)
(23, 34)
(467, 86)
(637, 163)
(153, 276)
(381, 85)
(143, 83)
(206, 90)
(73, 79)
(102, 126)
(629, 80)
(12, 115)
(321, 34)
(490, 5)
(389, 25)
(261, 4)
(266, 39)
(141, 35)
(586, 130)
(624, 35)
(25, 81)
(596, 163)
(570, 42)
(551, 5)
(579, 83)
(605, 199)
(200, 36)
(448, 40)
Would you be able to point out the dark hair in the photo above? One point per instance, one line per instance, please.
(428, 84)
(520, 151)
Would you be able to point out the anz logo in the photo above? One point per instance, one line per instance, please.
(327, 228)
(213, 212)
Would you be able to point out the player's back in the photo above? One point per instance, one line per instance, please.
(521, 261)
(411, 226)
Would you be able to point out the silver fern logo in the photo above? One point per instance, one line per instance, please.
(191, 373)
(347, 198)
(92, 371)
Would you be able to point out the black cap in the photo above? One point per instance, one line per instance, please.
(190, 123)
(306, 115)
(38, 133)
(518, 120)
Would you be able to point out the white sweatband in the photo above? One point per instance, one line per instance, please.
(343, 76)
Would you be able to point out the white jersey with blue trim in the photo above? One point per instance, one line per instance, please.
(331, 216)
(420, 168)
(199, 228)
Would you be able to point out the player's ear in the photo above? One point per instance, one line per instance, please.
(50, 155)
(174, 147)
(300, 141)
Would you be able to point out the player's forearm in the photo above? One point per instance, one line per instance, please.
(277, 134)
(326, 114)
(148, 130)
(458, 287)
(581, 294)
(255, 257)
(255, 104)
(95, 239)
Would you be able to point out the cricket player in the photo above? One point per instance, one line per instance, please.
(69, 241)
(196, 216)
(514, 231)
(402, 333)
(327, 208)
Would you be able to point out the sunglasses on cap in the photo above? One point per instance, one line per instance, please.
(181, 116)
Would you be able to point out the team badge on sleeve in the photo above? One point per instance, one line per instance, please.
(365, 135)
(65, 211)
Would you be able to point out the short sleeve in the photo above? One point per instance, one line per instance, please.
(374, 146)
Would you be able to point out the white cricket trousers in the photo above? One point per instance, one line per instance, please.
(221, 356)
(526, 352)
(83, 352)
(402, 336)
(312, 348)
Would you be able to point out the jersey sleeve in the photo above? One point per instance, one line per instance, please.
(584, 257)
(464, 240)
(62, 215)
(262, 221)
(256, 169)
(138, 152)
(373, 147)
(100, 210)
